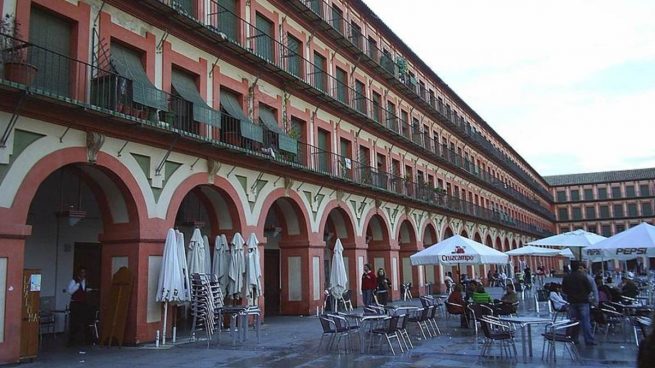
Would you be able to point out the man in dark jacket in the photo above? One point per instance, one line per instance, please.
(577, 287)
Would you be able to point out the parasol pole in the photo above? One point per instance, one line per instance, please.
(163, 334)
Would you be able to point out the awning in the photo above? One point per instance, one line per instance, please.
(247, 128)
(267, 118)
(186, 87)
(285, 143)
(128, 65)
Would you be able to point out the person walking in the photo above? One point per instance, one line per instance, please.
(577, 288)
(384, 286)
(369, 283)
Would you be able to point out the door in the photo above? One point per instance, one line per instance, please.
(88, 255)
(53, 69)
(272, 281)
(29, 332)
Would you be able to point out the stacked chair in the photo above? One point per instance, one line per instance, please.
(206, 304)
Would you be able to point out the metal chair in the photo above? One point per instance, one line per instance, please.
(559, 332)
(402, 329)
(495, 331)
(346, 300)
(390, 331)
(342, 329)
(640, 324)
(477, 311)
(432, 320)
(421, 319)
(329, 329)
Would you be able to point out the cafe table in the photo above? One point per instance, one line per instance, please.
(525, 323)
(366, 323)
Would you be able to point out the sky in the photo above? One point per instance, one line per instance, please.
(569, 84)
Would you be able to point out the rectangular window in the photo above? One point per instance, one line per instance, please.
(575, 195)
(377, 109)
(264, 37)
(227, 18)
(644, 190)
(576, 212)
(590, 212)
(563, 214)
(317, 7)
(294, 55)
(337, 19)
(323, 141)
(592, 228)
(404, 124)
(320, 77)
(342, 85)
(632, 210)
(616, 192)
(606, 230)
(619, 228)
(646, 209)
(589, 194)
(346, 157)
(360, 97)
(604, 212)
(618, 210)
(392, 119)
(630, 191)
(356, 35)
(602, 193)
(373, 52)
(52, 69)
(561, 196)
(422, 90)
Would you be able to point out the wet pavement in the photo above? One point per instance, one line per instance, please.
(293, 342)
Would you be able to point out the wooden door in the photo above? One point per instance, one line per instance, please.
(29, 333)
(88, 255)
(272, 281)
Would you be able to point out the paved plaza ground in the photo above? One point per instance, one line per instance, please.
(293, 342)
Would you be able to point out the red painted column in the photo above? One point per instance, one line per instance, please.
(298, 285)
(354, 251)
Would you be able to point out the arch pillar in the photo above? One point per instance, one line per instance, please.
(302, 277)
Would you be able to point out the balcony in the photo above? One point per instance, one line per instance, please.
(71, 82)
(382, 61)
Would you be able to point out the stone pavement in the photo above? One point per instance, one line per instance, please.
(293, 342)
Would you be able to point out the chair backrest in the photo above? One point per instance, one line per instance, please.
(567, 327)
(340, 323)
(454, 308)
(347, 295)
(326, 323)
(392, 325)
(433, 312)
(425, 313)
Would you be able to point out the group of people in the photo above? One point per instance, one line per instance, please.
(475, 293)
(375, 286)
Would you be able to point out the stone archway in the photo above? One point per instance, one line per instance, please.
(381, 251)
(291, 249)
(337, 223)
(408, 243)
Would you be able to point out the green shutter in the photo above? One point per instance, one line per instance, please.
(52, 33)
(342, 85)
(185, 86)
(293, 56)
(128, 65)
(264, 37)
(267, 117)
(184, 6)
(287, 144)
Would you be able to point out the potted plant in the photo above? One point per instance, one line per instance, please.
(13, 52)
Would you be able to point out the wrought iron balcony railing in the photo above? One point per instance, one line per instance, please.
(62, 78)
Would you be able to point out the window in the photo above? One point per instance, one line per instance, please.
(561, 196)
(316, 7)
(618, 210)
(377, 110)
(373, 52)
(356, 35)
(346, 164)
(52, 69)
(592, 228)
(604, 211)
(575, 195)
(320, 77)
(646, 209)
(342, 85)
(421, 90)
(563, 214)
(360, 97)
(606, 230)
(337, 18)
(293, 56)
(564, 229)
(227, 18)
(404, 123)
(616, 192)
(602, 193)
(433, 101)
(590, 212)
(619, 227)
(323, 142)
(632, 210)
(589, 194)
(630, 191)
(392, 119)
(644, 190)
(576, 213)
(264, 37)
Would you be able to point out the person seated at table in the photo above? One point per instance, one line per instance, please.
(456, 305)
(628, 287)
(481, 296)
(471, 287)
(603, 290)
(506, 305)
(555, 296)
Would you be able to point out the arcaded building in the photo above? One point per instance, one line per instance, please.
(298, 121)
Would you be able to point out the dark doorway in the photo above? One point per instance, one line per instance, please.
(272, 281)
(88, 255)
